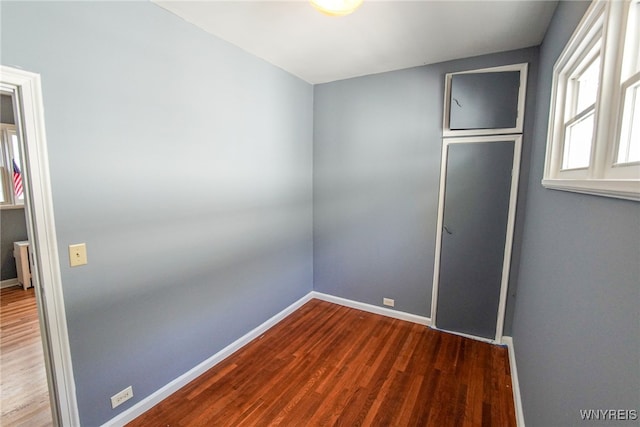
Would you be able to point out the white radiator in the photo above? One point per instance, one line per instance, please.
(21, 254)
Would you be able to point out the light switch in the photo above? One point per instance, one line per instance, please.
(77, 254)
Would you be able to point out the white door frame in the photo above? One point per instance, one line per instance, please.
(506, 264)
(522, 93)
(27, 93)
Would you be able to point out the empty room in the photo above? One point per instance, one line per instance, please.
(376, 213)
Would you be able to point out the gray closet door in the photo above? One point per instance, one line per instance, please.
(476, 207)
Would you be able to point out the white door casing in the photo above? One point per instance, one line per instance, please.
(26, 89)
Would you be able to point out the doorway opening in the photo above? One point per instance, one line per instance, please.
(25, 392)
(25, 90)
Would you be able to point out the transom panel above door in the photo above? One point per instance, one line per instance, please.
(489, 101)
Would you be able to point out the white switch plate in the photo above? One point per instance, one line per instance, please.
(120, 398)
(77, 254)
(388, 301)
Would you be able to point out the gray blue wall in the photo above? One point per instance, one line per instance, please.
(13, 228)
(577, 319)
(185, 165)
(377, 145)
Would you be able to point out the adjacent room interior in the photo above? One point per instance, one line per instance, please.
(258, 184)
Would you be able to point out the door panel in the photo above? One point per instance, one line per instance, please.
(476, 210)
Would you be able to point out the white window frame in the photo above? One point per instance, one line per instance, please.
(630, 83)
(603, 177)
(572, 115)
(6, 151)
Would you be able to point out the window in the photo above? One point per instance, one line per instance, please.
(593, 143)
(12, 194)
(628, 150)
(582, 91)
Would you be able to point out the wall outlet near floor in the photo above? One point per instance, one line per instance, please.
(119, 398)
(388, 301)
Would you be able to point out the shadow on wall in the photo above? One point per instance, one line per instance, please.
(234, 262)
(370, 220)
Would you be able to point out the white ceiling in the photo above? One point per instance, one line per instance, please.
(379, 36)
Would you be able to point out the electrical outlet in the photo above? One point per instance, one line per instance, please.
(119, 398)
(388, 301)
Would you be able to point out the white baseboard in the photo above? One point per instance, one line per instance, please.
(8, 283)
(517, 399)
(373, 309)
(472, 337)
(175, 385)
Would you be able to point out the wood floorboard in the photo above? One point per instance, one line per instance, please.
(328, 365)
(24, 399)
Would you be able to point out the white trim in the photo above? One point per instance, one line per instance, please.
(619, 189)
(508, 245)
(439, 225)
(604, 20)
(462, 334)
(590, 28)
(515, 383)
(448, 132)
(414, 318)
(513, 199)
(184, 379)
(42, 233)
(9, 283)
(7, 207)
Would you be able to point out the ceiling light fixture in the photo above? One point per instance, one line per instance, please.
(336, 7)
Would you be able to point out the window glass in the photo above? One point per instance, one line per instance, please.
(587, 85)
(3, 198)
(579, 127)
(629, 142)
(18, 190)
(634, 133)
(11, 167)
(629, 148)
(631, 57)
(633, 35)
(3, 174)
(577, 144)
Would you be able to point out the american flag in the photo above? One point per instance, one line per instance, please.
(17, 180)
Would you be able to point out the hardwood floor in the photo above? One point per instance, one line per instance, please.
(23, 383)
(328, 365)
